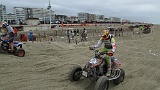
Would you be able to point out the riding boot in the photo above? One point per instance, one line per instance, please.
(10, 46)
(109, 70)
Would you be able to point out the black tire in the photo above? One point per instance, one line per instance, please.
(19, 52)
(102, 83)
(14, 50)
(120, 78)
(1, 51)
(75, 73)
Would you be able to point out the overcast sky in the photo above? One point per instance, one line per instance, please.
(134, 10)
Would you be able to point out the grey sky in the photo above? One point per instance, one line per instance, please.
(134, 10)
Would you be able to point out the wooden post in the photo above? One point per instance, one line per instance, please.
(56, 32)
(114, 31)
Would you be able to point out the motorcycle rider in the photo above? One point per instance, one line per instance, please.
(8, 34)
(109, 46)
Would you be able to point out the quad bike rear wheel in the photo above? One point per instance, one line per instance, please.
(1, 50)
(102, 83)
(120, 78)
(19, 52)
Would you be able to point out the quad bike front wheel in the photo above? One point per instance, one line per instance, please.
(19, 52)
(102, 83)
(75, 73)
(120, 78)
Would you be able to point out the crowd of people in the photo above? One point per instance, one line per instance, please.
(73, 33)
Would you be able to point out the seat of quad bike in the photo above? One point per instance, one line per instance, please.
(17, 44)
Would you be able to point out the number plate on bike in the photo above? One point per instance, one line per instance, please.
(84, 73)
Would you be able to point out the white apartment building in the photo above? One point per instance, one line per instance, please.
(114, 19)
(82, 16)
(20, 14)
(100, 18)
(41, 13)
(11, 18)
(73, 18)
(92, 17)
(3, 13)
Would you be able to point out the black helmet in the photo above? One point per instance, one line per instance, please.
(4, 25)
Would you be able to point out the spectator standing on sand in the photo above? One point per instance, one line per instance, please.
(85, 31)
(72, 34)
(23, 38)
(30, 36)
(15, 31)
(75, 33)
(68, 34)
(84, 35)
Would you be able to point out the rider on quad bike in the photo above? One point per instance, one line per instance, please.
(8, 34)
(109, 46)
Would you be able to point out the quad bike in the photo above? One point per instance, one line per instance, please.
(17, 48)
(96, 69)
(146, 30)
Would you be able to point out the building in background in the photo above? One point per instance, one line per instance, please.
(92, 17)
(61, 18)
(3, 13)
(100, 18)
(20, 15)
(126, 21)
(82, 16)
(106, 20)
(114, 19)
(12, 18)
(45, 16)
(41, 13)
(87, 17)
(32, 21)
(73, 19)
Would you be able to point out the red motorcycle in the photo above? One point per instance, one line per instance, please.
(96, 69)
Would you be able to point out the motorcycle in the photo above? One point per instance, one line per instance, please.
(96, 69)
(17, 48)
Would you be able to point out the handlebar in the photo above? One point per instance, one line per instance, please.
(107, 53)
(100, 53)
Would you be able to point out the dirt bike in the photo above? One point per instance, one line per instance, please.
(17, 48)
(96, 69)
